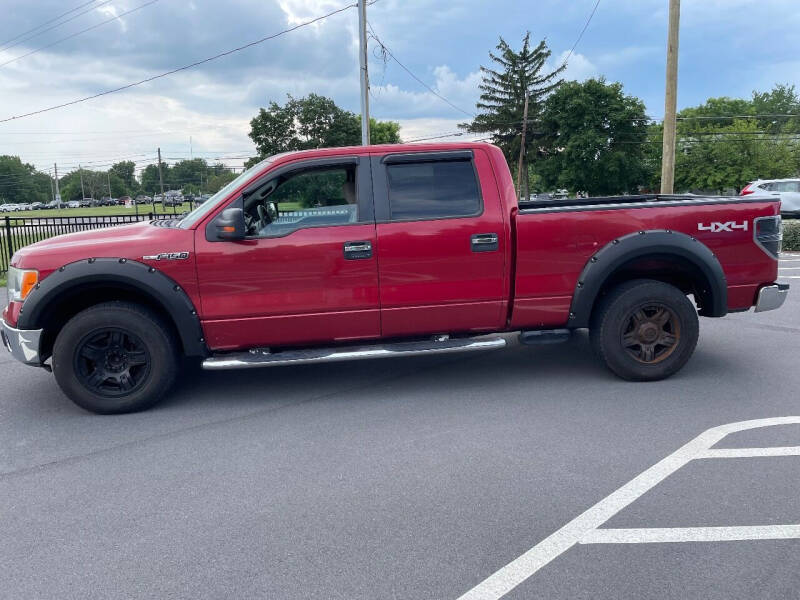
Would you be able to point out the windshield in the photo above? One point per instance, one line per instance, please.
(192, 217)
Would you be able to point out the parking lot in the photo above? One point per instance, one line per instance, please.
(429, 477)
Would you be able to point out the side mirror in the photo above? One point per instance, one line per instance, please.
(230, 225)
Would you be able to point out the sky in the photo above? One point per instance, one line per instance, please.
(727, 48)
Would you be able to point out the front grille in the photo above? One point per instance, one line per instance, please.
(768, 233)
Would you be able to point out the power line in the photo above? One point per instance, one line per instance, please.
(19, 35)
(183, 68)
(585, 27)
(30, 37)
(407, 70)
(78, 33)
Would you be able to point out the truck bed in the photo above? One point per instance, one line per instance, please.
(610, 202)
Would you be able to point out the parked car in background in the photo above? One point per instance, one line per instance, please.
(73, 204)
(54, 204)
(788, 190)
(37, 205)
(173, 201)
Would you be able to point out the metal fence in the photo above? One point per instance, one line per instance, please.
(17, 232)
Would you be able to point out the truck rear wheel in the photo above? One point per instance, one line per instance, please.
(645, 330)
(115, 357)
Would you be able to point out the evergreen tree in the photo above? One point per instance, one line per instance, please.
(502, 101)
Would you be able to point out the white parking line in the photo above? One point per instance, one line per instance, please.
(691, 534)
(585, 525)
(750, 452)
(789, 268)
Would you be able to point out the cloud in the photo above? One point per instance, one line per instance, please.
(579, 68)
(443, 43)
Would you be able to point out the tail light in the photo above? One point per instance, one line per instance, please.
(768, 233)
(747, 190)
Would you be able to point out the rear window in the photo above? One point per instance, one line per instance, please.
(433, 190)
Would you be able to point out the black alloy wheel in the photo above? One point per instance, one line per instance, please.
(112, 362)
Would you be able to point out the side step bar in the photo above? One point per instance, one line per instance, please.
(262, 357)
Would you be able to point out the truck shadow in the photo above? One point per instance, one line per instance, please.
(534, 367)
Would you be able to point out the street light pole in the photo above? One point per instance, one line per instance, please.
(363, 67)
(58, 193)
(161, 180)
(83, 194)
(670, 101)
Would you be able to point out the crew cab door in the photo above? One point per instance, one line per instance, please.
(304, 275)
(441, 243)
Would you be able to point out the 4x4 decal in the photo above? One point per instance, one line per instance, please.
(717, 227)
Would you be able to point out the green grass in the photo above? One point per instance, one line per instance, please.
(98, 211)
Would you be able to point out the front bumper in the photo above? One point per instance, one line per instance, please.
(772, 296)
(23, 344)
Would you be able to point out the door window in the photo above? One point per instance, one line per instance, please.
(433, 190)
(297, 200)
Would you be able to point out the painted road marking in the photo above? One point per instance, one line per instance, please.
(585, 525)
(691, 534)
(750, 452)
(789, 268)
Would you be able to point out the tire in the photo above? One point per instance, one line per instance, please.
(115, 358)
(645, 330)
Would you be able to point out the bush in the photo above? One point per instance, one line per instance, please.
(791, 235)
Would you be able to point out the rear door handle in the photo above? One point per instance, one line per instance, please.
(484, 242)
(358, 250)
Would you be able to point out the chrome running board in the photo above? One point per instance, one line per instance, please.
(262, 357)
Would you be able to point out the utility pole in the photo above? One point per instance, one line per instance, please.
(362, 61)
(161, 180)
(83, 194)
(108, 176)
(522, 152)
(52, 190)
(670, 100)
(58, 193)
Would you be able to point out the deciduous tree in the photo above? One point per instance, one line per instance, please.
(593, 139)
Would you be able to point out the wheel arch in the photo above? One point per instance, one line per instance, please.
(82, 284)
(663, 255)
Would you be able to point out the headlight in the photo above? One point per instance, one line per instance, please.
(20, 283)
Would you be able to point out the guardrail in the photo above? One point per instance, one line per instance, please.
(18, 232)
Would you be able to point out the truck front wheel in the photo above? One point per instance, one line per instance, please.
(645, 330)
(115, 357)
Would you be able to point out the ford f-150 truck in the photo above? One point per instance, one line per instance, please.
(382, 251)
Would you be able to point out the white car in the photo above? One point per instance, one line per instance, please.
(788, 190)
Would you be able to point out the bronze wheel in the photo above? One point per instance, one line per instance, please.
(644, 330)
(651, 333)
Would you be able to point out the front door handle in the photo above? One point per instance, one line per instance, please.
(357, 250)
(484, 242)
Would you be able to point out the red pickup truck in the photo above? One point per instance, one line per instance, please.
(382, 251)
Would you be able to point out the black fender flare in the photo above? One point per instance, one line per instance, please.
(626, 248)
(124, 273)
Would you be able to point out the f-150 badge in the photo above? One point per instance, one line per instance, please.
(167, 256)
(717, 227)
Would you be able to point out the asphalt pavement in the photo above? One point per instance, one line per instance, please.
(408, 478)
